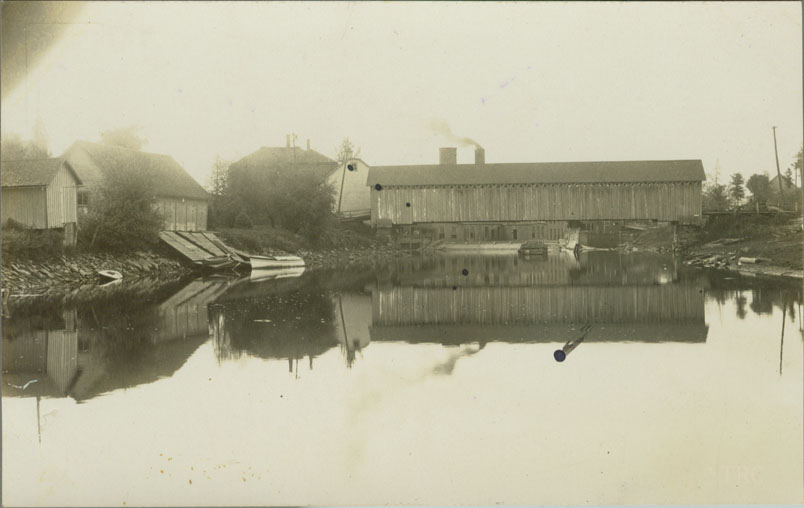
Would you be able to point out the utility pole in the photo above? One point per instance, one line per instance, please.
(778, 171)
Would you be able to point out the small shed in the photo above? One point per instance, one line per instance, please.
(39, 193)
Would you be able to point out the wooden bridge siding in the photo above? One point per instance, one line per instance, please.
(496, 305)
(462, 203)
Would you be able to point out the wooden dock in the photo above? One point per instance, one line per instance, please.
(205, 249)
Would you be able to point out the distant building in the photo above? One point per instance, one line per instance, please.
(352, 197)
(786, 183)
(347, 180)
(791, 192)
(523, 201)
(180, 199)
(276, 160)
(40, 193)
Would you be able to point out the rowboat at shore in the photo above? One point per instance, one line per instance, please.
(270, 262)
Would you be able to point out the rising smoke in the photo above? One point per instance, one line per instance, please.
(440, 126)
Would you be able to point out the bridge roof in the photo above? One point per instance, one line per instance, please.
(539, 173)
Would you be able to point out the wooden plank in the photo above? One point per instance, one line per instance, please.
(229, 250)
(186, 248)
(203, 242)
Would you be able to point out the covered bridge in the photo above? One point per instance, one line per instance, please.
(469, 199)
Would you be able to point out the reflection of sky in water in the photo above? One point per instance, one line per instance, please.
(255, 406)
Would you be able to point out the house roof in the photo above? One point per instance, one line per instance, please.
(785, 181)
(170, 179)
(279, 158)
(32, 172)
(539, 172)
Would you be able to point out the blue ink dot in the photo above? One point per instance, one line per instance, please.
(378, 187)
(559, 355)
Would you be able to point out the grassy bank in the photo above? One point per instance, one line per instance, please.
(264, 239)
(342, 245)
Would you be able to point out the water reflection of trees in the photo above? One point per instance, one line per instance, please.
(292, 325)
(764, 300)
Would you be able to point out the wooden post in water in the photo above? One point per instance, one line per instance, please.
(675, 235)
(781, 345)
(38, 420)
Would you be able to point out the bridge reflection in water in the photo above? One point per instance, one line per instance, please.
(462, 299)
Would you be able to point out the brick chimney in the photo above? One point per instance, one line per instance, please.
(287, 140)
(447, 155)
(308, 144)
(480, 155)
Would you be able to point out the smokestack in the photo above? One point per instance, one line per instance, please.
(287, 140)
(480, 155)
(448, 155)
(308, 144)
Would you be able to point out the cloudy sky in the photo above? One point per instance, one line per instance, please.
(531, 82)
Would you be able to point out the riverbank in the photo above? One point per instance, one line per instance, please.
(64, 276)
(750, 245)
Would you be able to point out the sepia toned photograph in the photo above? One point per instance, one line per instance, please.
(401, 253)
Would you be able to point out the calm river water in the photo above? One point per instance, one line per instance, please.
(427, 381)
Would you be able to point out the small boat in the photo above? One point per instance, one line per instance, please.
(258, 275)
(534, 248)
(268, 262)
(110, 275)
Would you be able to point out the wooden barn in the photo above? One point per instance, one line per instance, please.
(352, 197)
(521, 201)
(180, 199)
(39, 193)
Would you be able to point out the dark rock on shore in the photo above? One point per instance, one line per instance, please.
(67, 273)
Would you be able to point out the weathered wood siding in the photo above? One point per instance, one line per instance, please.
(184, 314)
(183, 214)
(352, 197)
(62, 358)
(62, 201)
(674, 201)
(524, 305)
(25, 205)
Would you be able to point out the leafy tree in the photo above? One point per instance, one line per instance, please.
(123, 213)
(736, 189)
(127, 137)
(13, 147)
(716, 198)
(298, 202)
(759, 185)
(788, 178)
(346, 150)
(221, 209)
